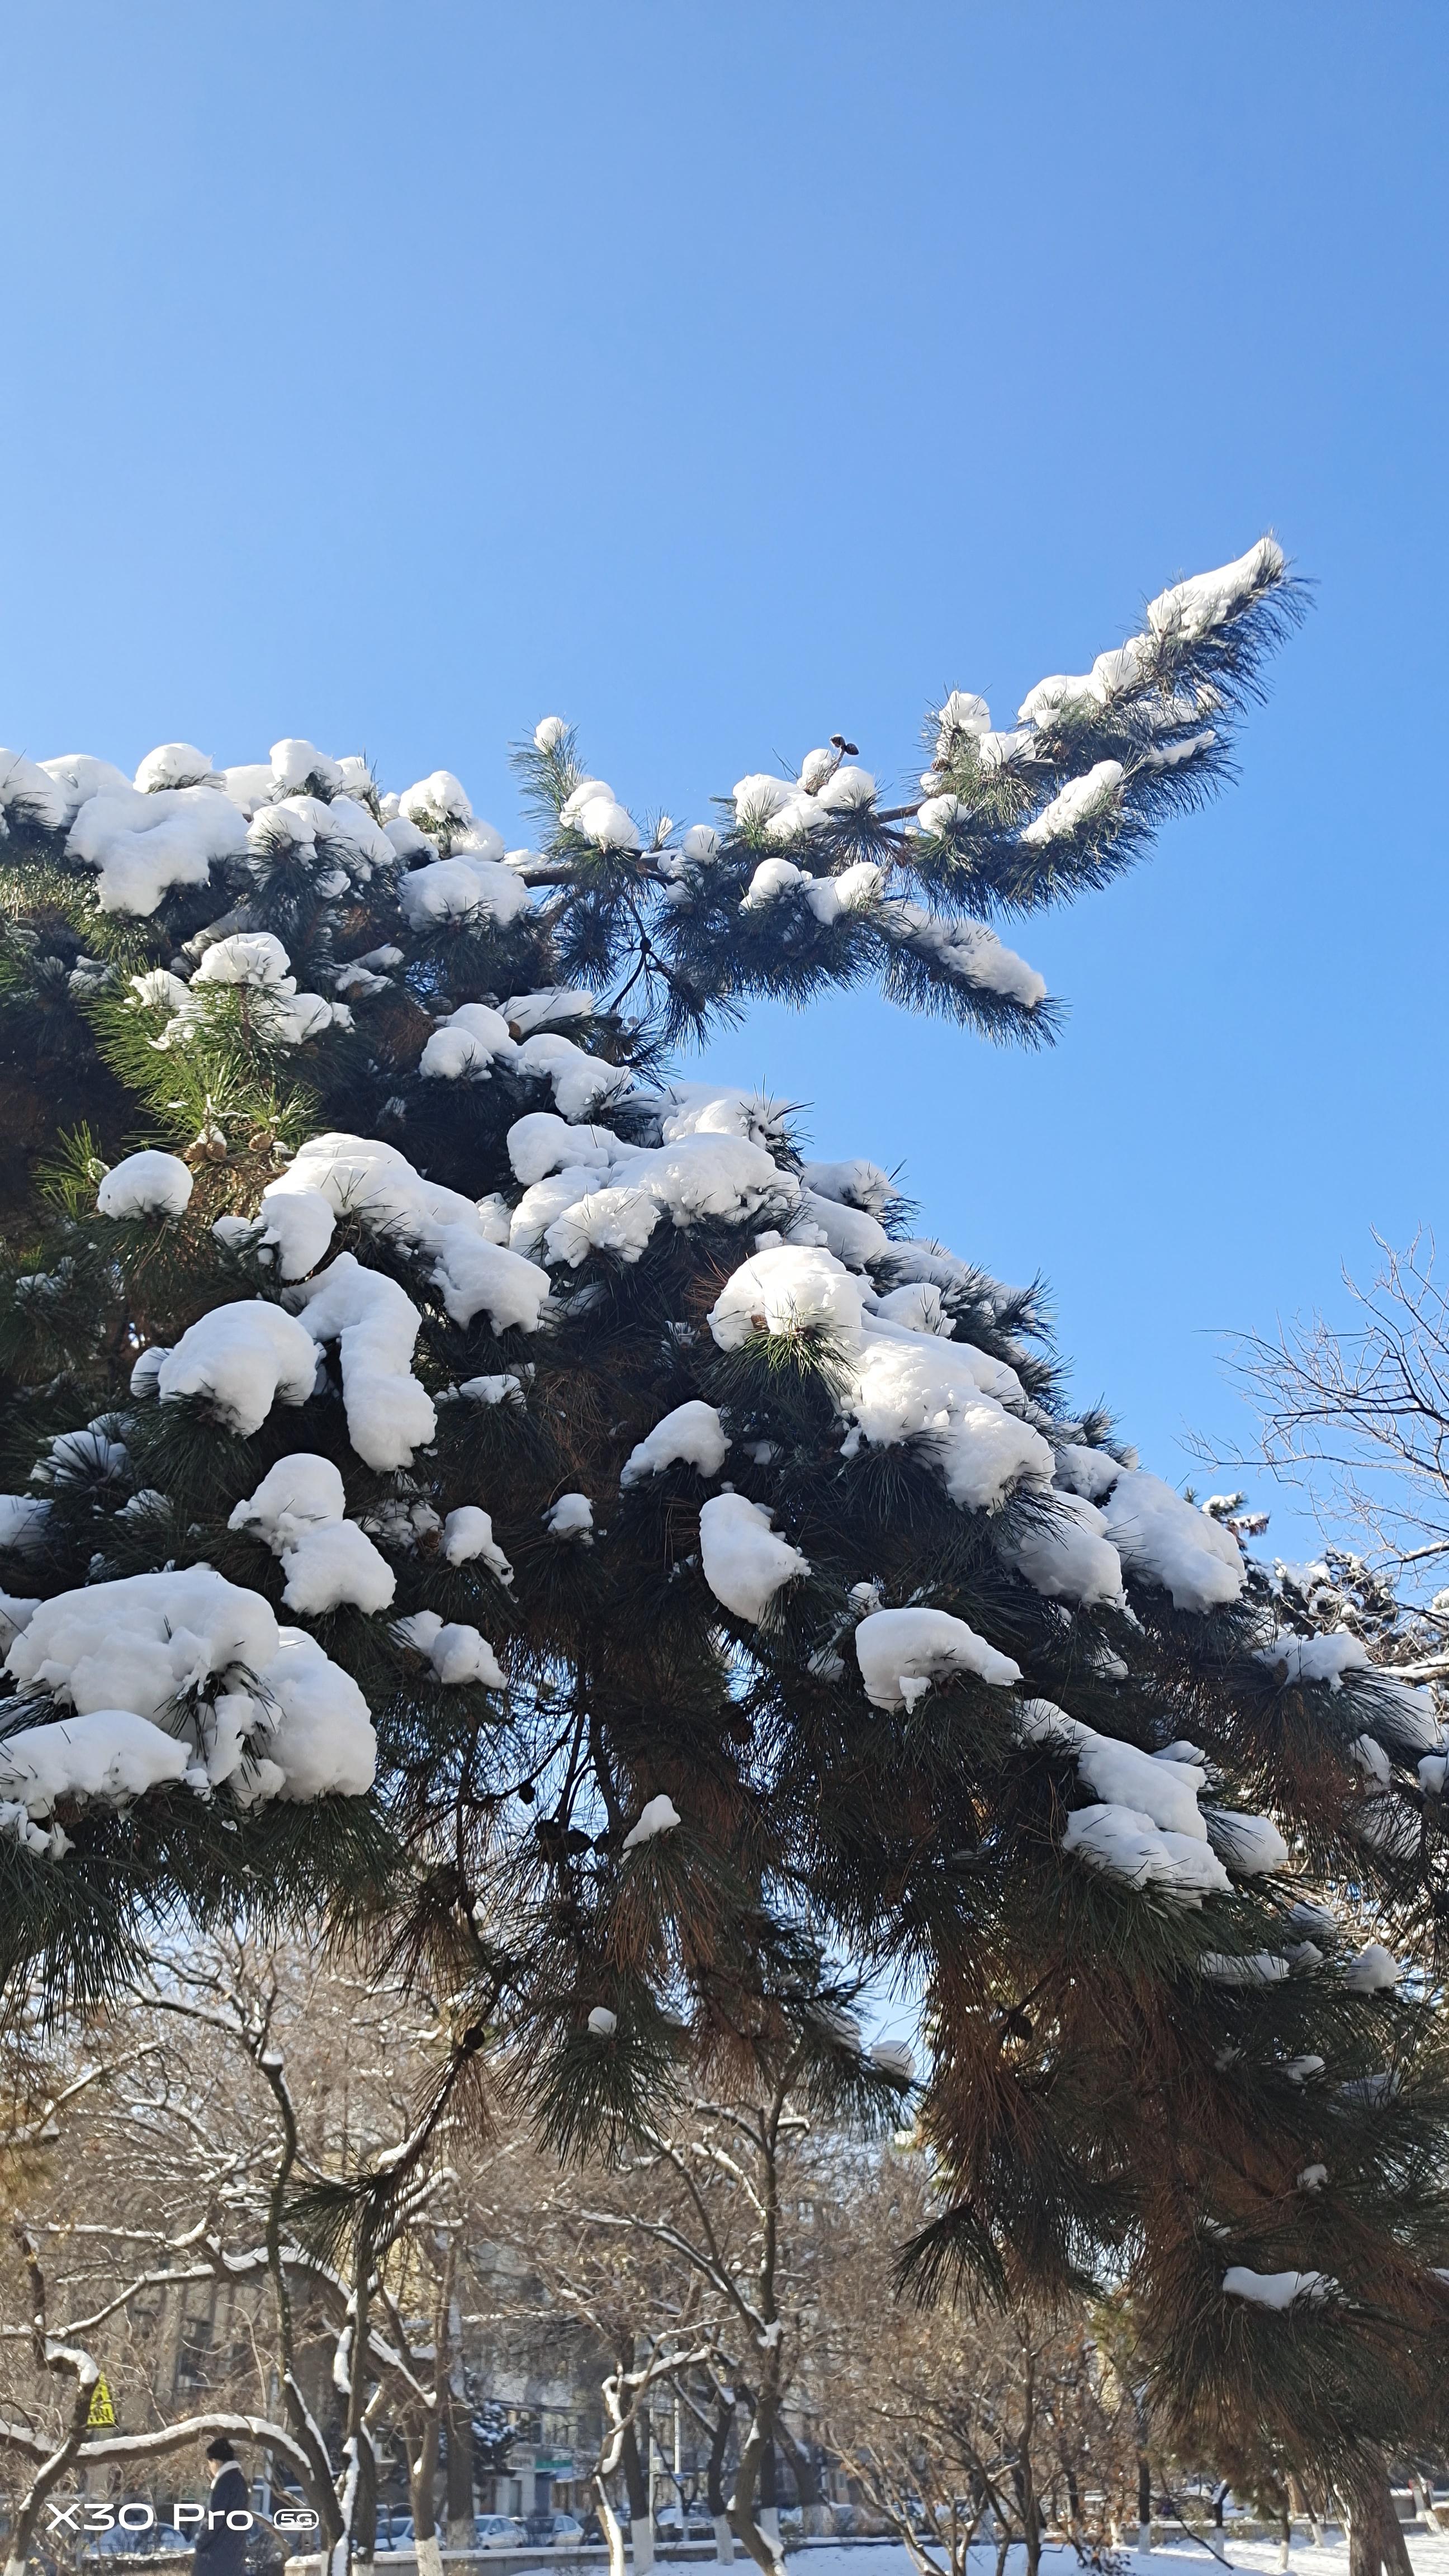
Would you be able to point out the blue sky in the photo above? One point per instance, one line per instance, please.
(724, 376)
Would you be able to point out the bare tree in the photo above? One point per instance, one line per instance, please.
(1360, 1417)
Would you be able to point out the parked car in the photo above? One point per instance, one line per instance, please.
(498, 2531)
(555, 2531)
(160, 2540)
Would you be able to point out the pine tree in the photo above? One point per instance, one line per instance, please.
(484, 1494)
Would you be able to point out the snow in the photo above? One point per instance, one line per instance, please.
(1148, 1784)
(376, 1324)
(541, 1142)
(502, 1388)
(301, 1492)
(110, 1754)
(848, 792)
(999, 750)
(1372, 1759)
(16, 1612)
(438, 798)
(1177, 2554)
(146, 1184)
(900, 1383)
(572, 1516)
(462, 888)
(1374, 1972)
(1052, 697)
(299, 1509)
(469, 1042)
(745, 1564)
(1089, 1472)
(715, 1109)
(1260, 1968)
(692, 1435)
(964, 712)
(1251, 1845)
(22, 1522)
(1191, 609)
(333, 1566)
(1124, 1842)
(793, 1288)
(257, 959)
(143, 845)
(904, 1385)
(143, 1640)
(580, 1081)
(659, 1816)
(620, 1221)
(245, 957)
(855, 1184)
(296, 1224)
(894, 2057)
(901, 1652)
(603, 2023)
(1276, 2289)
(1163, 1539)
(939, 811)
(468, 1536)
(249, 785)
(1068, 1557)
(78, 777)
(584, 793)
(607, 825)
(1081, 801)
(320, 1736)
(759, 796)
(458, 1653)
(773, 877)
(174, 764)
(1315, 1659)
(295, 760)
(340, 834)
(373, 1182)
(700, 1175)
(243, 1359)
(549, 732)
(525, 1012)
(966, 949)
(854, 1236)
(152, 1642)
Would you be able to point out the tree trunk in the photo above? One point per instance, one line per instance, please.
(1374, 2539)
(459, 2507)
(749, 2530)
(1301, 2503)
(724, 2539)
(805, 2470)
(1285, 2542)
(422, 2486)
(1144, 2504)
(636, 2484)
(611, 2527)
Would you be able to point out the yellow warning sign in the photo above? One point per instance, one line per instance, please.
(101, 2410)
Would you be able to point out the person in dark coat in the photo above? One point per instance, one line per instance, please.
(221, 2550)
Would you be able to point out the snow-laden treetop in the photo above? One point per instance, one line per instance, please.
(801, 880)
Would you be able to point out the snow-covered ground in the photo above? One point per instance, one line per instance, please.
(1429, 2552)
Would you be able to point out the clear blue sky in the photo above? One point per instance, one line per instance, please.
(725, 375)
